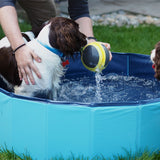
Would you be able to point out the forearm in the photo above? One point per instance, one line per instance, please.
(10, 26)
(78, 10)
(85, 26)
(24, 56)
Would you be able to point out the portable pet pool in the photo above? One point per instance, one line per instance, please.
(46, 129)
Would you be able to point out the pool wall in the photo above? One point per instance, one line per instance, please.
(45, 129)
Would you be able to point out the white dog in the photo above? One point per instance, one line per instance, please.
(58, 39)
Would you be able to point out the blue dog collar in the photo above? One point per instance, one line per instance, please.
(54, 50)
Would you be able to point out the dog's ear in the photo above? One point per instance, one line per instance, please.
(157, 61)
(65, 36)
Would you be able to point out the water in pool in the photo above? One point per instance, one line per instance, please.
(110, 88)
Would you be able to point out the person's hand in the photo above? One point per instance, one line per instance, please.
(108, 47)
(24, 57)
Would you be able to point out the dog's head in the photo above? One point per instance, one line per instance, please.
(155, 58)
(64, 35)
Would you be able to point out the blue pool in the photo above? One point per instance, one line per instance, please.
(119, 112)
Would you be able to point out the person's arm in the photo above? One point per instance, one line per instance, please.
(79, 11)
(85, 26)
(24, 55)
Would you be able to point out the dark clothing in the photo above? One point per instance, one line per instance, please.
(76, 8)
(7, 3)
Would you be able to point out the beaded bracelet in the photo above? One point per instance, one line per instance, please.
(19, 47)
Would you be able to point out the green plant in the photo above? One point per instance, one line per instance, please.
(141, 39)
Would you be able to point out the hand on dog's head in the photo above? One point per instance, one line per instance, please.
(65, 36)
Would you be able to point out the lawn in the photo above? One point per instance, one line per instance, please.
(142, 40)
(129, 40)
(6, 154)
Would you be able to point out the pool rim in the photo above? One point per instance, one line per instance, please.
(99, 104)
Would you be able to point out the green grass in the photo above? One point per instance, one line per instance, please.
(129, 40)
(6, 154)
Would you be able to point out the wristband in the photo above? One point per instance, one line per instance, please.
(91, 38)
(19, 47)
